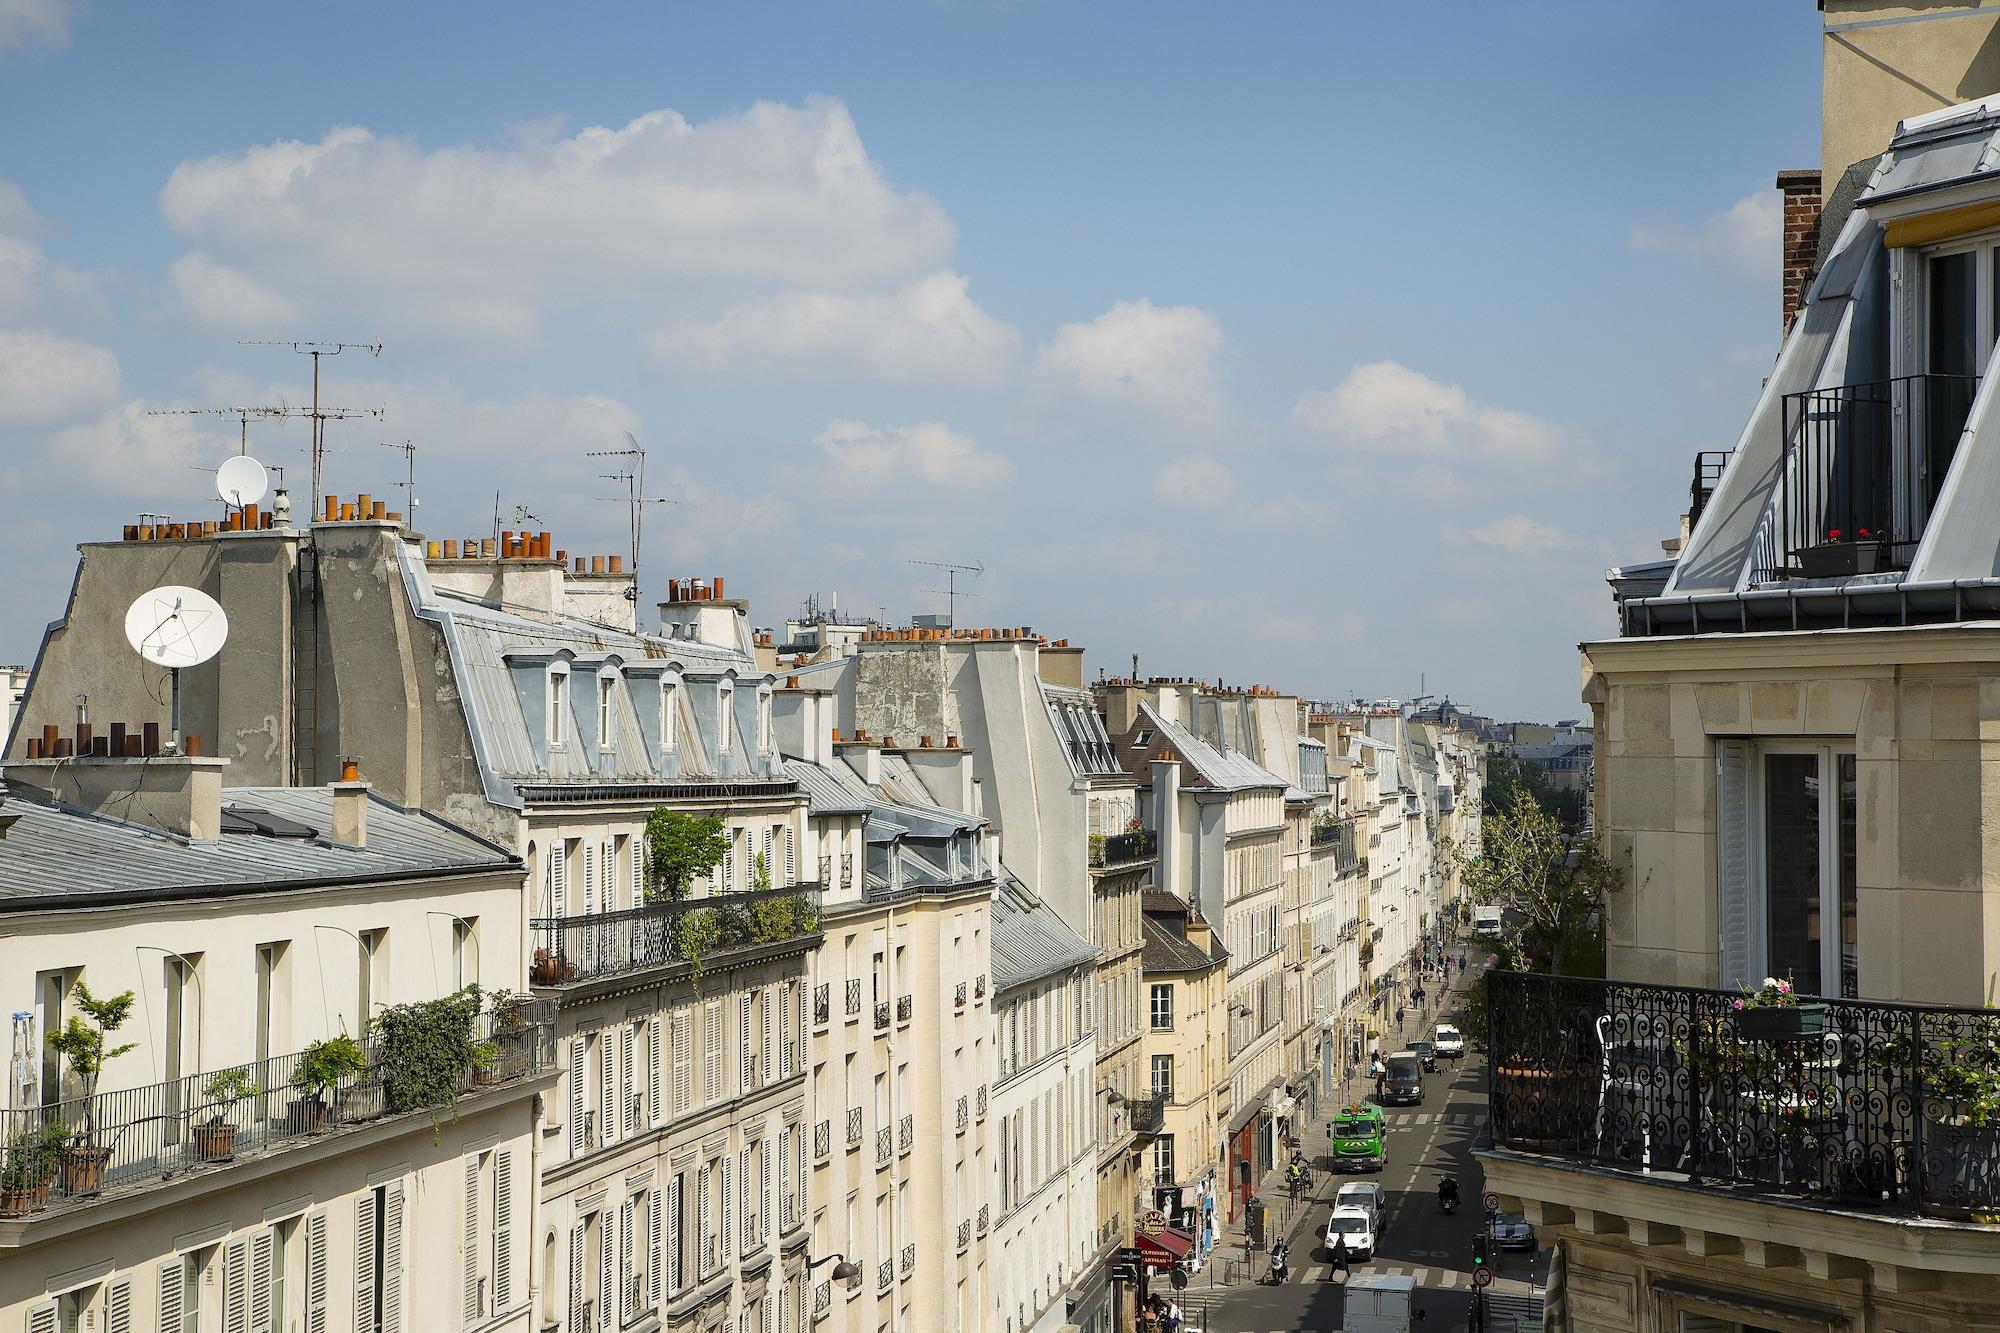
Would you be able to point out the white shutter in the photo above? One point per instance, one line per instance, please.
(42, 1318)
(654, 1278)
(637, 845)
(749, 1052)
(1739, 901)
(392, 1259)
(170, 1294)
(559, 877)
(260, 1281)
(235, 1269)
(764, 1063)
(746, 1185)
(701, 1216)
(316, 1273)
(628, 1078)
(653, 1107)
(712, 1033)
(118, 1306)
(364, 1262)
(625, 1251)
(607, 857)
(723, 1202)
(589, 877)
(578, 1094)
(470, 1255)
(607, 1089)
(503, 1229)
(606, 1235)
(683, 1063)
(577, 1272)
(786, 1039)
(770, 857)
(791, 856)
(764, 1189)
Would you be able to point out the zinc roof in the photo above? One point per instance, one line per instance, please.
(1029, 939)
(1221, 769)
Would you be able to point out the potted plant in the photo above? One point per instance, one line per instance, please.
(551, 969)
(82, 1042)
(1773, 1013)
(513, 1039)
(27, 1166)
(321, 1066)
(215, 1138)
(1841, 554)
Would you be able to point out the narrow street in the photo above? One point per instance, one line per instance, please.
(1425, 1142)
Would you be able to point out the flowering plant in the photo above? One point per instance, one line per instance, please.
(1774, 994)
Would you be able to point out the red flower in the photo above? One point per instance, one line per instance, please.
(1833, 534)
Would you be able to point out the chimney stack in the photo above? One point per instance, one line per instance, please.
(1801, 190)
(350, 807)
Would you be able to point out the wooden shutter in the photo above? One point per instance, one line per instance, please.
(653, 1107)
(470, 1255)
(170, 1294)
(42, 1318)
(316, 1273)
(764, 1189)
(578, 1093)
(559, 877)
(701, 1219)
(749, 1055)
(607, 1089)
(607, 858)
(637, 845)
(787, 1035)
(723, 1207)
(261, 1250)
(683, 1063)
(503, 1229)
(118, 1306)
(606, 1228)
(625, 1252)
(654, 1278)
(1739, 902)
(712, 1032)
(791, 856)
(764, 1061)
(577, 1273)
(235, 1270)
(628, 1078)
(746, 1185)
(392, 1259)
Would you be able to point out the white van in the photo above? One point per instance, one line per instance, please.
(1486, 921)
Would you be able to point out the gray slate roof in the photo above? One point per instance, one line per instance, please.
(1167, 952)
(55, 855)
(1029, 939)
(1220, 769)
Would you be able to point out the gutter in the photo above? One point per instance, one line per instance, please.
(1930, 602)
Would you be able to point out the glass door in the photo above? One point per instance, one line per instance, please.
(1810, 825)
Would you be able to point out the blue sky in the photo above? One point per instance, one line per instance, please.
(1292, 343)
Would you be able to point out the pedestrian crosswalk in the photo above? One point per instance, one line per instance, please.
(1465, 1119)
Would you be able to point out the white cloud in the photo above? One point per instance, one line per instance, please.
(929, 330)
(1194, 481)
(1386, 406)
(34, 22)
(46, 379)
(126, 451)
(660, 214)
(1161, 360)
(223, 298)
(857, 459)
(1520, 534)
(1743, 239)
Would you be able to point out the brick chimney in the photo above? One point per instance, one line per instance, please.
(1801, 190)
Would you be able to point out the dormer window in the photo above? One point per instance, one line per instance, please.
(764, 720)
(670, 715)
(556, 726)
(606, 684)
(725, 701)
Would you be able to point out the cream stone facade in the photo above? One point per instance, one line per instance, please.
(1187, 1035)
(1883, 62)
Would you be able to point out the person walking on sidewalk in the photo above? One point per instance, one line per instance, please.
(1340, 1257)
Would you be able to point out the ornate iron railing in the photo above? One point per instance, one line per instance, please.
(1147, 1113)
(965, 1235)
(574, 949)
(822, 1003)
(885, 1275)
(822, 1300)
(985, 1217)
(1858, 1103)
(854, 1124)
(906, 1134)
(1124, 848)
(958, 996)
(979, 1102)
(979, 987)
(964, 1113)
(885, 1146)
(881, 1015)
(906, 1006)
(909, 1259)
(822, 1139)
(854, 998)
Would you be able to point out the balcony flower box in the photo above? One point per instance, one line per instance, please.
(1838, 559)
(1780, 1022)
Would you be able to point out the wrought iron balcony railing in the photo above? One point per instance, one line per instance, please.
(958, 996)
(885, 1275)
(906, 1134)
(1847, 1103)
(854, 998)
(979, 1102)
(822, 1140)
(1121, 849)
(854, 1125)
(909, 1259)
(127, 1140)
(1147, 1114)
(885, 1147)
(985, 1217)
(822, 1004)
(965, 1235)
(906, 1007)
(881, 1015)
(822, 1300)
(964, 1113)
(979, 987)
(570, 950)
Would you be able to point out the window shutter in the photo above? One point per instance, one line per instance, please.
(578, 1094)
(261, 1246)
(470, 1256)
(42, 1318)
(627, 1305)
(653, 1070)
(745, 1185)
(1739, 904)
(653, 1276)
(364, 1262)
(392, 1259)
(628, 1080)
(607, 1090)
(764, 1062)
(637, 846)
(170, 1294)
(712, 1031)
(608, 859)
(606, 1235)
(235, 1269)
(503, 1229)
(749, 1055)
(791, 855)
(788, 1038)
(764, 1189)
(559, 877)
(118, 1306)
(683, 1064)
(589, 877)
(316, 1273)
(577, 1272)
(770, 855)
(728, 1236)
(701, 1216)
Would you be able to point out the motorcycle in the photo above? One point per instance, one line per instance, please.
(1281, 1266)
(1448, 1195)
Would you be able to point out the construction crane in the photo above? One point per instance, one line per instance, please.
(320, 416)
(950, 589)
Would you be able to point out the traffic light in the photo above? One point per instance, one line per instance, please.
(1479, 1249)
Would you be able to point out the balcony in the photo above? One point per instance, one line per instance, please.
(1148, 1114)
(979, 987)
(985, 1217)
(909, 1260)
(822, 1300)
(1845, 1105)
(964, 1114)
(854, 1127)
(906, 1008)
(1860, 457)
(958, 996)
(822, 1004)
(885, 1276)
(965, 1235)
(822, 1140)
(881, 1016)
(885, 1147)
(1123, 849)
(854, 998)
(162, 1132)
(979, 1102)
(906, 1135)
(572, 950)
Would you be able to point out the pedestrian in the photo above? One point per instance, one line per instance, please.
(1399, 1016)
(1173, 1315)
(1340, 1255)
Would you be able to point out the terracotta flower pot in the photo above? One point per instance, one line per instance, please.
(83, 1169)
(22, 1202)
(215, 1142)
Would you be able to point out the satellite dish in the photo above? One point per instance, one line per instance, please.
(241, 480)
(177, 627)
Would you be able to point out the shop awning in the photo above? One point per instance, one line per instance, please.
(1165, 1248)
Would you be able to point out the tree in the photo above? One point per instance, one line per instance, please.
(680, 848)
(82, 1044)
(1556, 882)
(1506, 777)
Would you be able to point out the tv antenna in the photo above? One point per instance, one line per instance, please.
(320, 417)
(409, 484)
(632, 474)
(950, 589)
(242, 415)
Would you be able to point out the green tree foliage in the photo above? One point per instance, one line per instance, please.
(82, 1043)
(1506, 777)
(1555, 881)
(680, 848)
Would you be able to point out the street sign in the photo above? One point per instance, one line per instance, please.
(1152, 1222)
(1491, 1200)
(1482, 1277)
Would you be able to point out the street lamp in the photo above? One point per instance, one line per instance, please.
(843, 1271)
(1117, 1097)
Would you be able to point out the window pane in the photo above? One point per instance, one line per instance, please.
(1850, 966)
(1791, 867)
(1953, 317)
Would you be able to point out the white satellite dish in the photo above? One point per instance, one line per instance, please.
(176, 627)
(241, 480)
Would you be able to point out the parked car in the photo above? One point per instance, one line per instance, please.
(1510, 1231)
(1356, 1227)
(1426, 1053)
(1450, 1041)
(1404, 1083)
(1367, 1196)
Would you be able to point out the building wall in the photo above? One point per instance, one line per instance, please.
(1874, 77)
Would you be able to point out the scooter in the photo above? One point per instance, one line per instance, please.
(1448, 1195)
(1281, 1265)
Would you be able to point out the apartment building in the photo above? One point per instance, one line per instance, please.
(231, 1169)
(1187, 1048)
(1794, 772)
(901, 1051)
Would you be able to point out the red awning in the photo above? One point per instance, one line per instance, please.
(1165, 1247)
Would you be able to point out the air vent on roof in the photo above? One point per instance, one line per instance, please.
(249, 819)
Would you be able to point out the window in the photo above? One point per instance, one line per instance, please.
(763, 721)
(556, 729)
(464, 951)
(1163, 1076)
(373, 958)
(605, 686)
(1163, 1159)
(284, 1248)
(670, 715)
(725, 724)
(273, 1006)
(1786, 831)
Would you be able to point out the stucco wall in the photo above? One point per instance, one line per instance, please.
(1874, 77)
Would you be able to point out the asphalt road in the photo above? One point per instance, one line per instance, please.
(1418, 1240)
